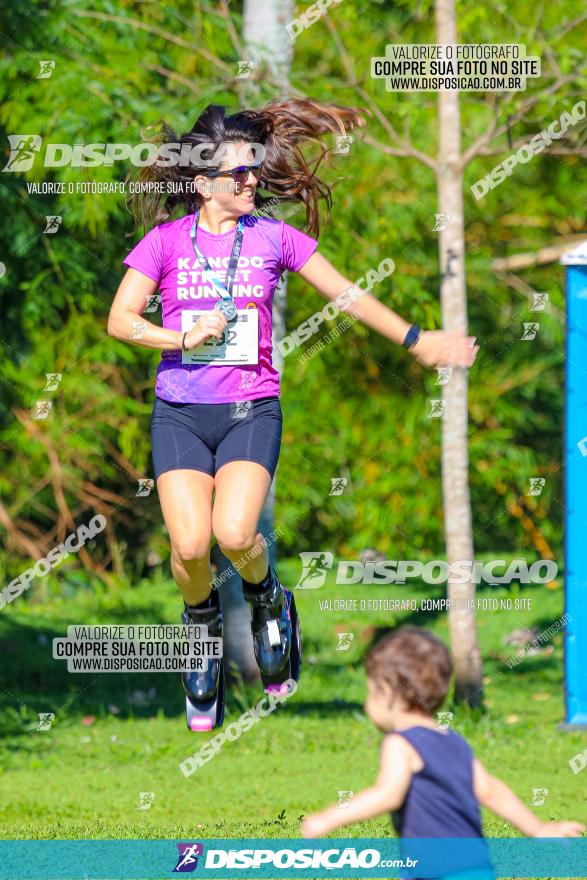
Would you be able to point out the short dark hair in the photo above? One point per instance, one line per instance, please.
(415, 663)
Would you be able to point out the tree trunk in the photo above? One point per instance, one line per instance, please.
(455, 459)
(267, 43)
(266, 38)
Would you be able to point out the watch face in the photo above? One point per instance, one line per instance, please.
(227, 308)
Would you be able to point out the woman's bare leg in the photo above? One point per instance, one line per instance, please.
(186, 502)
(241, 490)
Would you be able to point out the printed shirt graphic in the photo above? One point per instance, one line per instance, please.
(167, 256)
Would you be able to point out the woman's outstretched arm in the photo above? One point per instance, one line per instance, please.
(434, 348)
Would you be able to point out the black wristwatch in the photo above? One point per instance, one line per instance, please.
(412, 336)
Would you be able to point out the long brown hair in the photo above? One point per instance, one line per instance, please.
(282, 127)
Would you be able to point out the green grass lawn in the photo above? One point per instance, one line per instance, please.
(82, 780)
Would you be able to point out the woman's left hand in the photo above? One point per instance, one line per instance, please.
(440, 348)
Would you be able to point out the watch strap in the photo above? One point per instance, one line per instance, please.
(412, 336)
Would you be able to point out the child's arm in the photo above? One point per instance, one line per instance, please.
(497, 797)
(388, 792)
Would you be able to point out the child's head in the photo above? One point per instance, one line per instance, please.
(409, 670)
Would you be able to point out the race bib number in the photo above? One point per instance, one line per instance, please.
(239, 343)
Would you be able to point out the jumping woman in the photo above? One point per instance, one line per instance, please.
(217, 421)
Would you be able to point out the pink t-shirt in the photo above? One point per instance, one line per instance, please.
(166, 255)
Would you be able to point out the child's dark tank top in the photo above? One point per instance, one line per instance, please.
(440, 801)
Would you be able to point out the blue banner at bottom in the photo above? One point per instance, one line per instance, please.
(355, 857)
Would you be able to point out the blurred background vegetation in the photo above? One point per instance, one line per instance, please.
(358, 409)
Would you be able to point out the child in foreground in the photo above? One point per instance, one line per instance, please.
(429, 779)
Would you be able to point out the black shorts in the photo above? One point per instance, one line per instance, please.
(204, 436)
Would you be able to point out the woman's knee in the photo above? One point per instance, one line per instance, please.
(234, 537)
(191, 548)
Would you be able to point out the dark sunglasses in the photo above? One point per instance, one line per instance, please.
(240, 173)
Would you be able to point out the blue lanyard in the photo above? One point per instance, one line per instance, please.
(225, 292)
